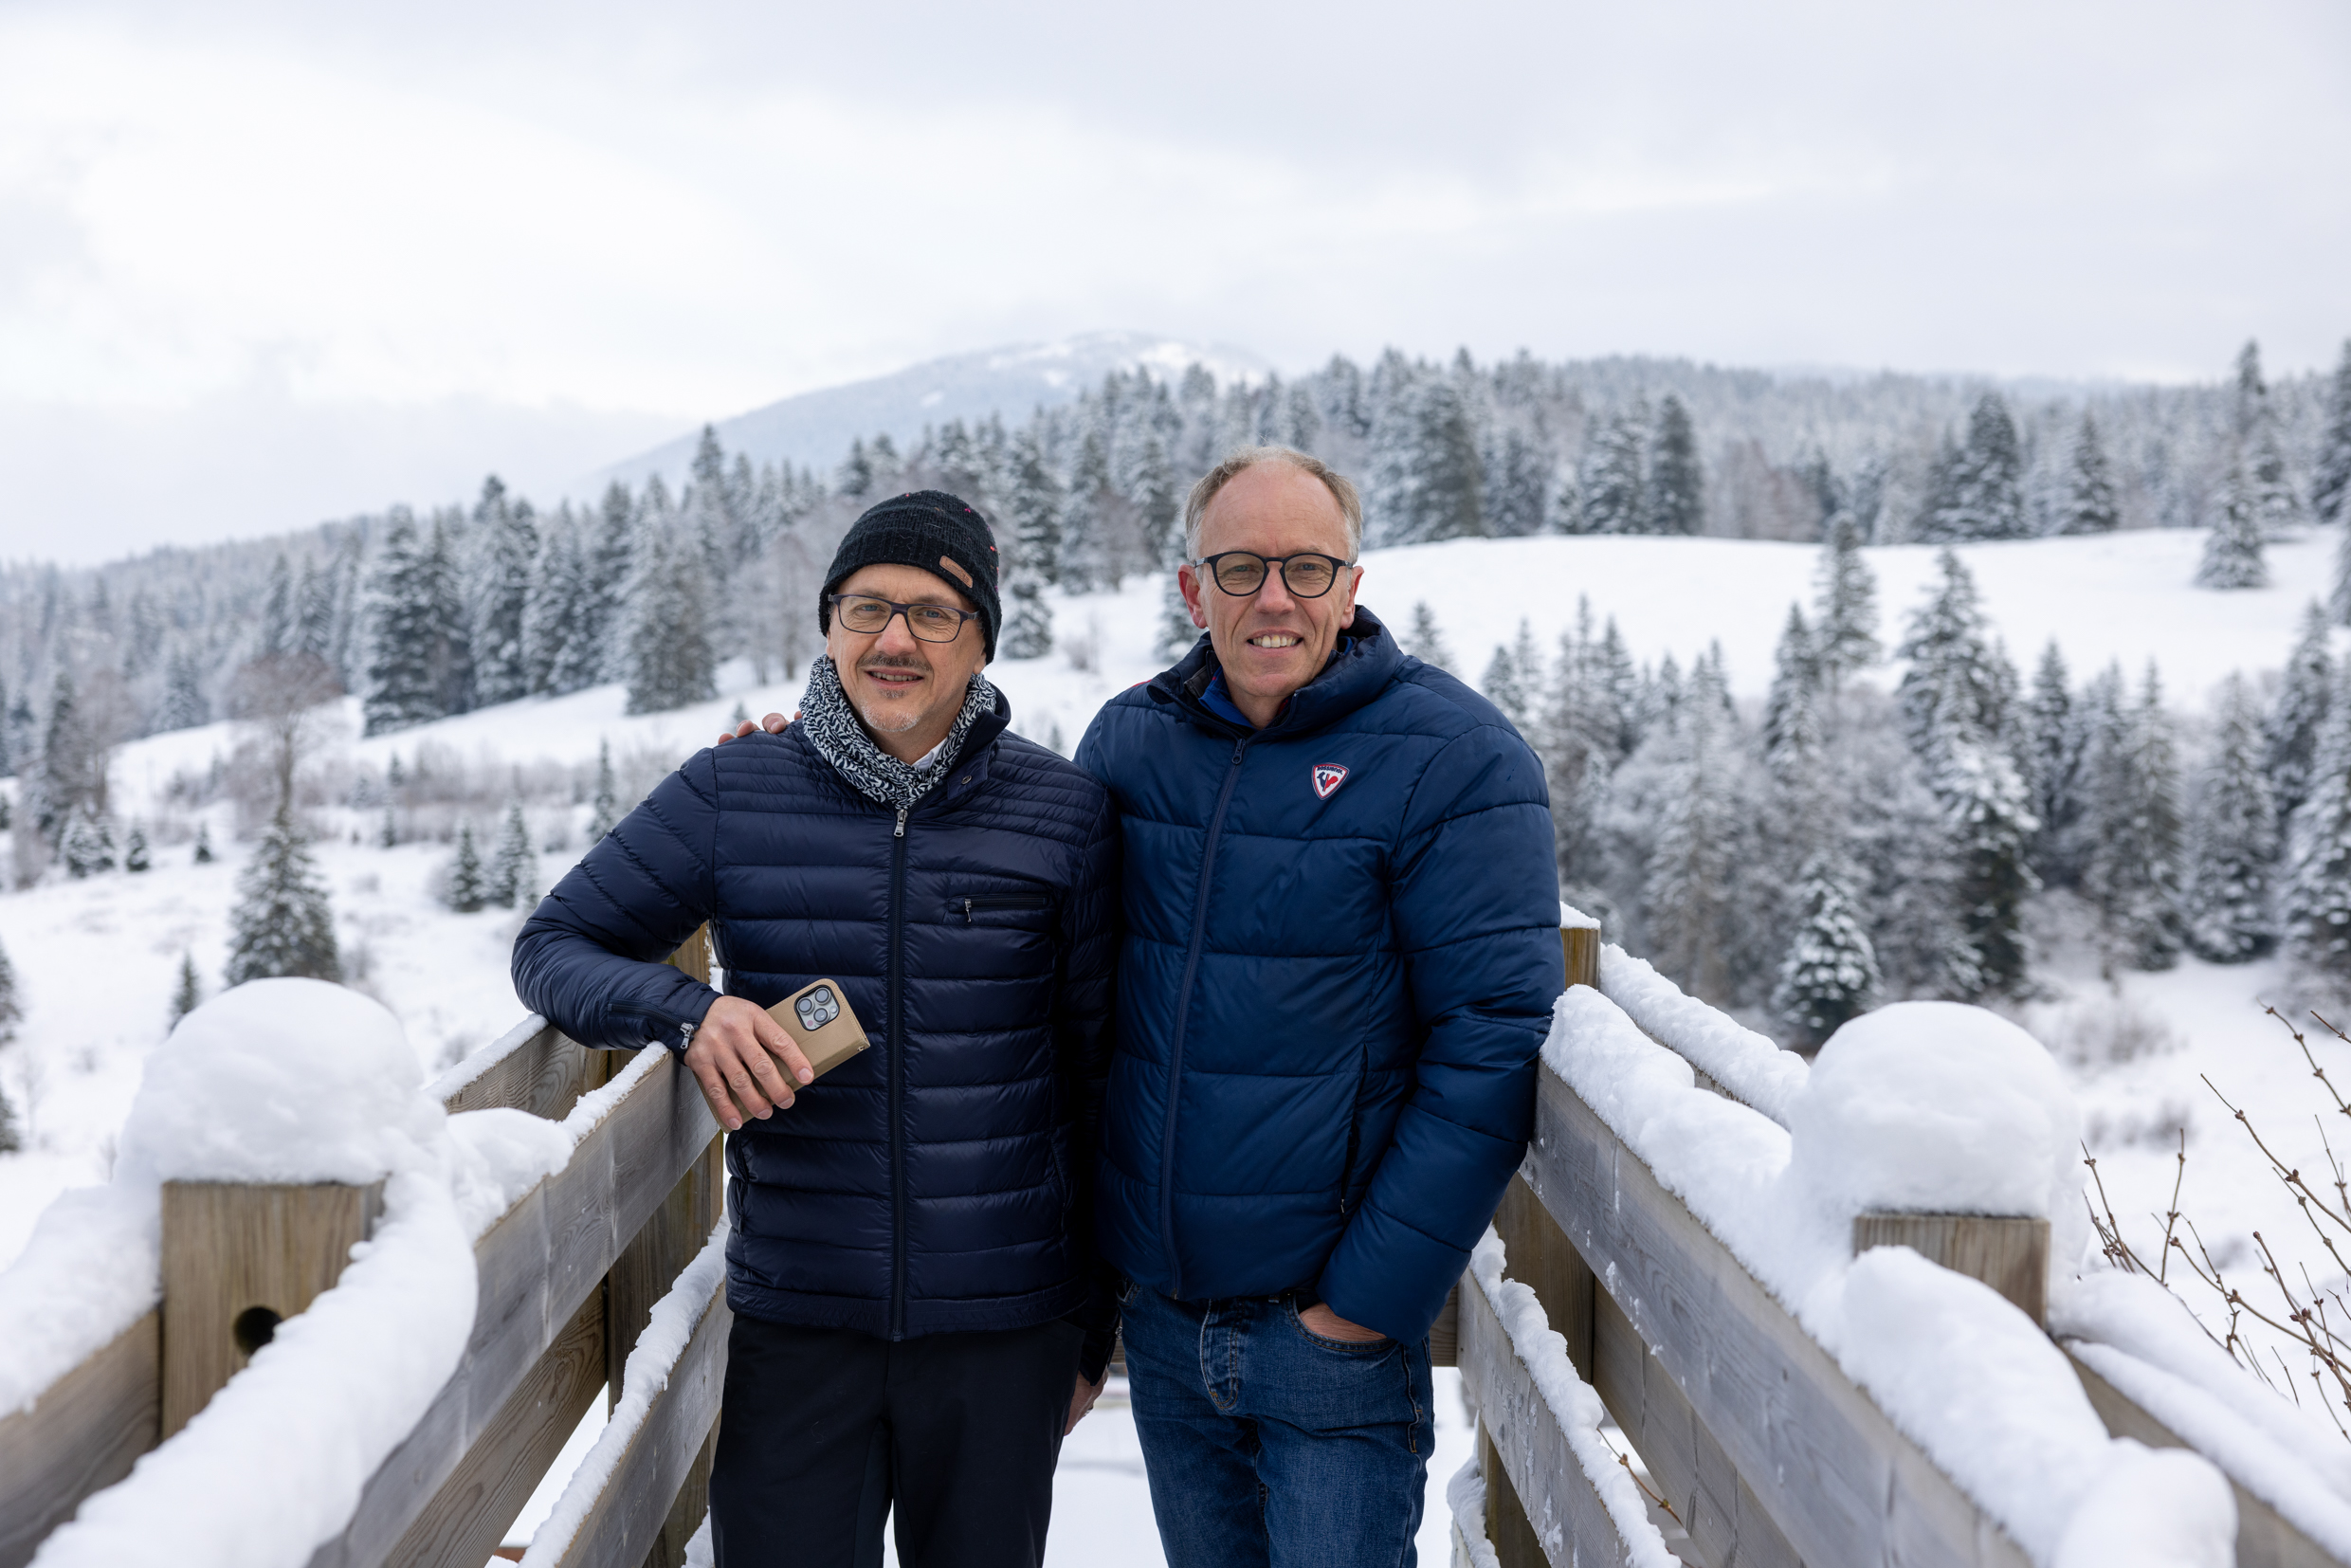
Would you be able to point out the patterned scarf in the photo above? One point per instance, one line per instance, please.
(832, 727)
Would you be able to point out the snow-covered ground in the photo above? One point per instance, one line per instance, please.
(97, 961)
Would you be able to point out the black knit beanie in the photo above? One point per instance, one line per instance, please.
(926, 528)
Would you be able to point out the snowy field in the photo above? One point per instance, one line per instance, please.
(97, 961)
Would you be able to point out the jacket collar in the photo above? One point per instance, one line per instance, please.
(1349, 680)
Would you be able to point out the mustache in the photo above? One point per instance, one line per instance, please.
(895, 661)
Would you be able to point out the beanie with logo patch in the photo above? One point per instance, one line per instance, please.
(929, 529)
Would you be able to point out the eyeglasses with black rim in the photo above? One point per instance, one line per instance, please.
(1242, 573)
(932, 623)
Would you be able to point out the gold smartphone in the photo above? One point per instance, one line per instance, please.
(822, 1024)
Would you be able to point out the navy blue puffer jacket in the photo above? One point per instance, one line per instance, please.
(1340, 956)
(938, 1181)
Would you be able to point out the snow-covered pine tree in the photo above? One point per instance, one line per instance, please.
(1177, 632)
(1028, 619)
(507, 552)
(555, 613)
(610, 563)
(514, 865)
(1831, 971)
(1991, 832)
(1845, 605)
(277, 610)
(2330, 476)
(1085, 521)
(11, 1005)
(855, 482)
(2232, 842)
(134, 856)
(282, 923)
(2299, 718)
(1159, 504)
(1978, 493)
(1796, 675)
(1609, 480)
(2089, 506)
(670, 660)
(2052, 762)
(1516, 486)
(468, 889)
(1425, 641)
(1953, 665)
(182, 705)
(2137, 836)
(186, 995)
(604, 810)
(2232, 549)
(203, 855)
(2316, 909)
(388, 833)
(1426, 479)
(1685, 893)
(1676, 501)
(1035, 506)
(450, 653)
(1501, 689)
(400, 685)
(88, 847)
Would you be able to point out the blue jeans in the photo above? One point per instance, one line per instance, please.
(1271, 1447)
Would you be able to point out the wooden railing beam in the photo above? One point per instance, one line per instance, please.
(85, 1433)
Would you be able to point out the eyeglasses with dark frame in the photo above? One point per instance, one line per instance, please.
(1242, 573)
(869, 616)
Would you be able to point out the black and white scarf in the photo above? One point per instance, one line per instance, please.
(832, 727)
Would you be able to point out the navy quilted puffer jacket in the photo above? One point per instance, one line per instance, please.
(938, 1181)
(1340, 956)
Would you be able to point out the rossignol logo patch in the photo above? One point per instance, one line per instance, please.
(1328, 776)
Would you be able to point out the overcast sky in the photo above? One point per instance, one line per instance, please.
(265, 264)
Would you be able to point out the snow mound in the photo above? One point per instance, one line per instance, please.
(90, 1271)
(1751, 1066)
(1937, 1107)
(279, 1080)
(1464, 1495)
(2153, 1508)
(1572, 919)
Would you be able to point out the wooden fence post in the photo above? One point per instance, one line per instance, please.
(1581, 945)
(2010, 1254)
(238, 1260)
(1541, 1258)
(1514, 1540)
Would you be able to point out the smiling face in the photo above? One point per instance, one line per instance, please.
(1269, 642)
(906, 690)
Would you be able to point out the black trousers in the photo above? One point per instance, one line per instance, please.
(822, 1432)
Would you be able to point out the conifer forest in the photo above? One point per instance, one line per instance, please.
(1852, 838)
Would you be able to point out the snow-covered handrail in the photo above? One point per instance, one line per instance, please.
(1792, 1401)
(1748, 1067)
(564, 1233)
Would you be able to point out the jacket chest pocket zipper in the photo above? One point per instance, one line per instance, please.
(1002, 900)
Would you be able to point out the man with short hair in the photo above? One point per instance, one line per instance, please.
(1339, 958)
(917, 1316)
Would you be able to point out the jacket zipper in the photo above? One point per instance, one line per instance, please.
(1183, 1014)
(898, 1077)
(1006, 901)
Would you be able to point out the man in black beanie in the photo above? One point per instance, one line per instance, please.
(918, 1318)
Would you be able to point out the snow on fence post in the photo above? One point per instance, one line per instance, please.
(1948, 1130)
(267, 1127)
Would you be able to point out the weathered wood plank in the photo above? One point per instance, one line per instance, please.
(545, 1075)
(537, 1264)
(636, 1498)
(2265, 1538)
(1544, 1259)
(239, 1258)
(1841, 1482)
(2009, 1255)
(81, 1436)
(1541, 1505)
(469, 1516)
(1726, 1523)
